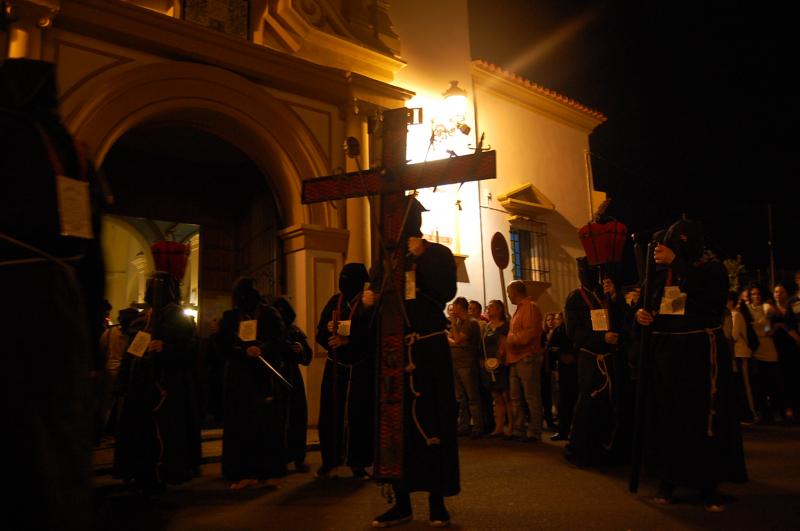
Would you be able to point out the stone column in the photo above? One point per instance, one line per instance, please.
(26, 21)
(314, 257)
(358, 217)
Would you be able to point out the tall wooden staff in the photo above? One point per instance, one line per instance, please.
(641, 370)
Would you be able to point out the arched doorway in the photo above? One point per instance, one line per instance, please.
(222, 115)
(116, 111)
(168, 176)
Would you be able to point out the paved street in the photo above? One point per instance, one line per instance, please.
(505, 485)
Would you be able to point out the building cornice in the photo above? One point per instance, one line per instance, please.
(314, 238)
(512, 87)
(146, 30)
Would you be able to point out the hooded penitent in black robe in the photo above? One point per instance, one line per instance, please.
(297, 407)
(692, 436)
(158, 440)
(596, 416)
(346, 417)
(431, 468)
(253, 445)
(51, 316)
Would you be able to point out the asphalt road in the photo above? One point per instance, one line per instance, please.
(505, 485)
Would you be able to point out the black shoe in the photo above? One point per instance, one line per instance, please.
(301, 466)
(559, 437)
(324, 472)
(664, 493)
(394, 516)
(359, 472)
(714, 504)
(439, 517)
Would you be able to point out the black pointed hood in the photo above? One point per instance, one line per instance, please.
(686, 239)
(352, 279)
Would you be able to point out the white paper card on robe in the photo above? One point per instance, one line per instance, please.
(247, 330)
(673, 302)
(344, 328)
(600, 320)
(139, 344)
(411, 285)
(73, 207)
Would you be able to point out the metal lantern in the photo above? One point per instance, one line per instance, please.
(171, 257)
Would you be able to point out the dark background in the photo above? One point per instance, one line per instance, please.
(701, 110)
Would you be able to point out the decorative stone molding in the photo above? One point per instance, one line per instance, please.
(33, 12)
(527, 200)
(314, 238)
(353, 37)
(535, 288)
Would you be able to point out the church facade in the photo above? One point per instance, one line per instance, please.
(206, 117)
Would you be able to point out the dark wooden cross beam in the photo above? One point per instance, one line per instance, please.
(390, 182)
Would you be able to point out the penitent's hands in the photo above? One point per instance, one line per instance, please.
(644, 318)
(663, 255)
(368, 298)
(416, 246)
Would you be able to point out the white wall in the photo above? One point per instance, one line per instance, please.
(551, 155)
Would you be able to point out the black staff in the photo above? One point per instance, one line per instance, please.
(644, 341)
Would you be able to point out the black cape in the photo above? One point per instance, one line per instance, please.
(51, 316)
(297, 408)
(433, 468)
(253, 442)
(593, 433)
(692, 439)
(158, 438)
(346, 418)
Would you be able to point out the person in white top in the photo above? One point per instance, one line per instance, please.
(769, 398)
(742, 357)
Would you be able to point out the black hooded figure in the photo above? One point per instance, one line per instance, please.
(158, 440)
(253, 442)
(346, 411)
(430, 413)
(593, 324)
(692, 436)
(297, 407)
(51, 314)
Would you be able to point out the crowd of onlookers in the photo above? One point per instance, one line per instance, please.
(762, 328)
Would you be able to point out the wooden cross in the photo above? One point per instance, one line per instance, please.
(390, 183)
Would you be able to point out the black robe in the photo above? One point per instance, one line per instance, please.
(297, 415)
(692, 440)
(561, 351)
(346, 411)
(253, 441)
(51, 317)
(596, 416)
(158, 438)
(431, 468)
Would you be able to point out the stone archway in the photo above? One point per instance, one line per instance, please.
(217, 101)
(263, 128)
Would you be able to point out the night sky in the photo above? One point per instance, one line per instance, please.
(701, 111)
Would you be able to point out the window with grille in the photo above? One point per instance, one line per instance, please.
(529, 250)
